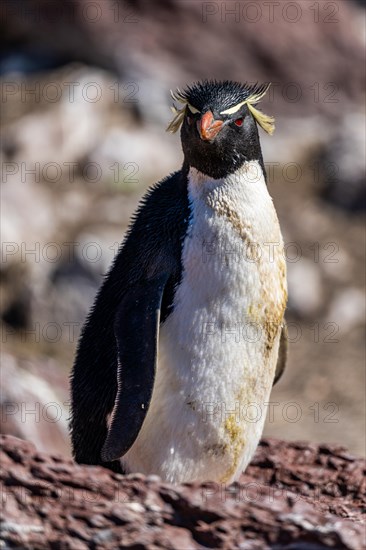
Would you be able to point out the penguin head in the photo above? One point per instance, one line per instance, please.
(218, 124)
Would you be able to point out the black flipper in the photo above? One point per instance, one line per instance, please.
(136, 330)
(282, 354)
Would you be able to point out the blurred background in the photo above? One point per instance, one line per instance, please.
(85, 103)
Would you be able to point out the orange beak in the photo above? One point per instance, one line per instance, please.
(208, 128)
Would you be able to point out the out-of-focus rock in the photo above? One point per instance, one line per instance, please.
(305, 286)
(342, 164)
(348, 309)
(67, 127)
(131, 150)
(34, 401)
(220, 41)
(293, 495)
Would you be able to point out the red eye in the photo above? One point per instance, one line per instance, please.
(239, 121)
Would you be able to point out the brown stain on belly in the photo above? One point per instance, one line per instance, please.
(215, 449)
(275, 306)
(222, 208)
(234, 433)
(234, 428)
(269, 313)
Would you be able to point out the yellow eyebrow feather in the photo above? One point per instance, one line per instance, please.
(234, 109)
(192, 109)
(266, 122)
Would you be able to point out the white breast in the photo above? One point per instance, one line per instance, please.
(218, 349)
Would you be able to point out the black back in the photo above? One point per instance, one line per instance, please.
(153, 243)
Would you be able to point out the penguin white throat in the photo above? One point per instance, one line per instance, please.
(218, 348)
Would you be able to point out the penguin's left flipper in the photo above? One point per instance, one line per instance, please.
(136, 330)
(282, 354)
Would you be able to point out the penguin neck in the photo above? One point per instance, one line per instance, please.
(246, 180)
(238, 205)
(248, 166)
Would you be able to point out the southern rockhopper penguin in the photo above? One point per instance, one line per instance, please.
(186, 337)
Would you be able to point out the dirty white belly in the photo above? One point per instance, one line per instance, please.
(218, 348)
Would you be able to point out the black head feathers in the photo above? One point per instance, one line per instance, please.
(225, 97)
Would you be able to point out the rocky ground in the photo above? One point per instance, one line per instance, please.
(293, 496)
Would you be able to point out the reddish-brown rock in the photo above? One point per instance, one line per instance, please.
(292, 496)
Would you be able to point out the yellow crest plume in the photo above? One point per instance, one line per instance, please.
(177, 121)
(266, 122)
